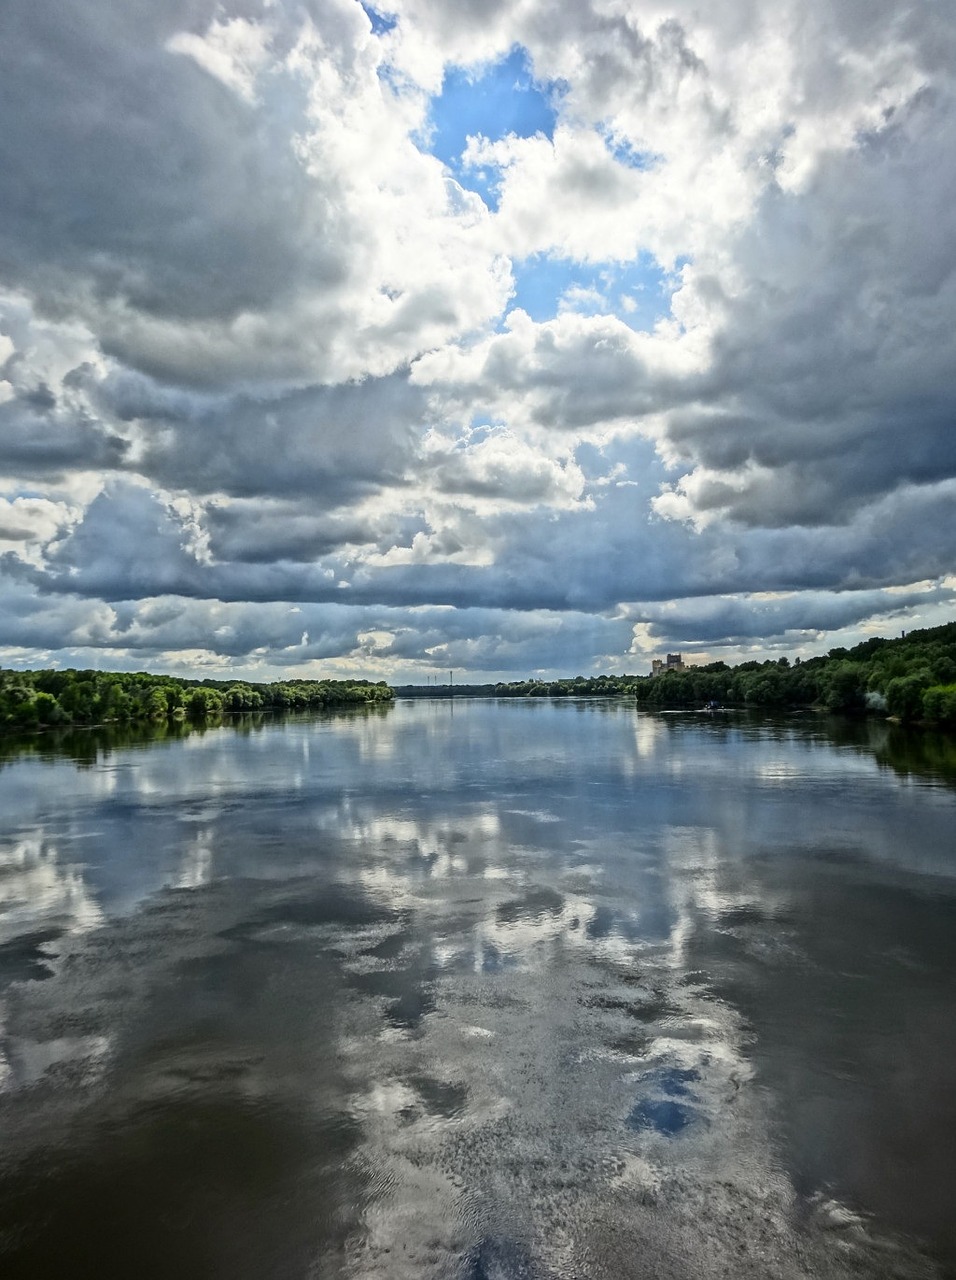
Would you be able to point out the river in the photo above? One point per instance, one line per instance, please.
(479, 989)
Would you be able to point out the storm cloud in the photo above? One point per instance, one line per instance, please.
(657, 353)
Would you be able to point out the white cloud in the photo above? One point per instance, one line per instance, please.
(259, 349)
(234, 51)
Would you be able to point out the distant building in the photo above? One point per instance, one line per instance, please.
(673, 662)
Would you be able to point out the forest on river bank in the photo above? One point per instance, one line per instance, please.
(911, 677)
(46, 699)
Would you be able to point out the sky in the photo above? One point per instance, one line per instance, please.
(503, 337)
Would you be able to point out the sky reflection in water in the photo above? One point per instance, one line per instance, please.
(479, 990)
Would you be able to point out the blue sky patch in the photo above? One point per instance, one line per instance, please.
(636, 292)
(496, 101)
(627, 155)
(481, 427)
(381, 22)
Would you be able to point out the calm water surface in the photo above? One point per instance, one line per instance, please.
(480, 990)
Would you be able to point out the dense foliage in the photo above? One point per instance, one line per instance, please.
(912, 677)
(38, 699)
(572, 687)
(577, 687)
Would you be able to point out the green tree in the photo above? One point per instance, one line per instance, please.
(203, 704)
(845, 688)
(904, 695)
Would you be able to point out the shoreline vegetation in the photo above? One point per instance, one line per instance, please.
(50, 699)
(909, 678)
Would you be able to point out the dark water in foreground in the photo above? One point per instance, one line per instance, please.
(480, 990)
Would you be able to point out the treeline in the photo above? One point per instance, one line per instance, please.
(912, 677)
(41, 699)
(574, 687)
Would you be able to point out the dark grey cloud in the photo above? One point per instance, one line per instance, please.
(570, 374)
(264, 638)
(132, 544)
(127, 544)
(38, 438)
(16, 532)
(191, 181)
(112, 583)
(780, 620)
(257, 532)
(328, 443)
(266, 330)
(132, 175)
(833, 375)
(48, 625)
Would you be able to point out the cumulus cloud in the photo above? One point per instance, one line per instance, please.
(502, 469)
(784, 620)
(263, 351)
(830, 383)
(222, 196)
(327, 443)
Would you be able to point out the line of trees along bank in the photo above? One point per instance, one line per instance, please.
(912, 677)
(41, 699)
(571, 687)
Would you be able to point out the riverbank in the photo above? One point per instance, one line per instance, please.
(31, 700)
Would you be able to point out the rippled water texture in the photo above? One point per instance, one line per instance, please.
(479, 990)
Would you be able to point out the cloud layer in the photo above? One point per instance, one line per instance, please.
(270, 400)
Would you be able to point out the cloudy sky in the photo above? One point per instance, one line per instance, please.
(504, 335)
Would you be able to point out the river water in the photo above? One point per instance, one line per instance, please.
(479, 989)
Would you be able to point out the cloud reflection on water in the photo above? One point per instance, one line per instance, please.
(542, 976)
